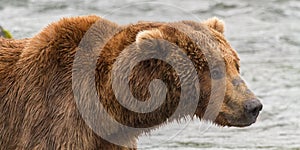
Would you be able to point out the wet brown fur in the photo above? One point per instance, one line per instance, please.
(37, 106)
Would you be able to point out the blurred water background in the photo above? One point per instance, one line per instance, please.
(264, 32)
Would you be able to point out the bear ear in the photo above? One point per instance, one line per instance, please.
(216, 24)
(148, 34)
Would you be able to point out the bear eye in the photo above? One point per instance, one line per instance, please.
(237, 67)
(216, 73)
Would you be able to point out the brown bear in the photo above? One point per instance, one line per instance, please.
(45, 82)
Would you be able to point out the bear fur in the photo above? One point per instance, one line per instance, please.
(37, 104)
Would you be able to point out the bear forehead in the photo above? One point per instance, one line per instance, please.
(198, 32)
(205, 35)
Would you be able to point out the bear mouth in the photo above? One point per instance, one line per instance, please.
(228, 120)
(242, 124)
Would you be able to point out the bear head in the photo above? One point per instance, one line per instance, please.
(222, 95)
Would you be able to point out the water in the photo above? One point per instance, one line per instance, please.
(265, 33)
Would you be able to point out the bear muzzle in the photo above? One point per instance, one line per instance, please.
(252, 108)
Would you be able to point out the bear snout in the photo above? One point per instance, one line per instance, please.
(252, 108)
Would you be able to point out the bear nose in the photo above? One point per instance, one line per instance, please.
(252, 107)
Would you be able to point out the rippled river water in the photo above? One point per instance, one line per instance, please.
(266, 34)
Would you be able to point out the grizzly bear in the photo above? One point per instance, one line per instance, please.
(88, 83)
